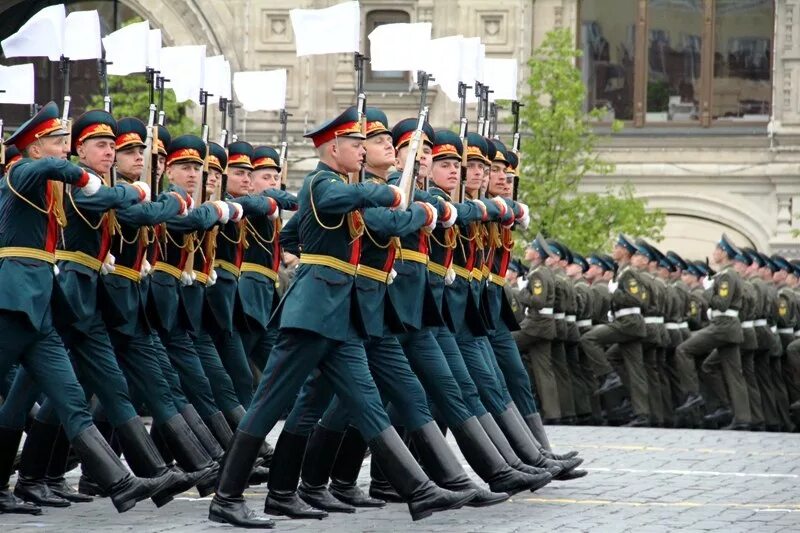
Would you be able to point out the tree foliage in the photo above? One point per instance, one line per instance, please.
(559, 151)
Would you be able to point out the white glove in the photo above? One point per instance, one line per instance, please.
(392, 275)
(238, 213)
(610, 316)
(144, 190)
(92, 186)
(432, 213)
(107, 267)
(446, 223)
(186, 279)
(522, 283)
(145, 269)
(212, 278)
(525, 220)
(450, 277)
(189, 204)
(707, 282)
(402, 194)
(226, 211)
(613, 286)
(56, 271)
(708, 313)
(276, 213)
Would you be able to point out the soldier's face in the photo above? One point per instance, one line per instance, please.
(162, 164)
(594, 272)
(639, 261)
(348, 153)
(740, 267)
(446, 174)
(619, 253)
(718, 255)
(214, 177)
(498, 181)
(425, 159)
(531, 254)
(97, 154)
(130, 162)
(574, 271)
(475, 173)
(380, 151)
(57, 147)
(688, 278)
(511, 276)
(265, 179)
(186, 175)
(238, 181)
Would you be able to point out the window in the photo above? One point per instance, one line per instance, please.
(678, 61)
(385, 80)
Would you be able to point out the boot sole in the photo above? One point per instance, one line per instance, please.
(220, 520)
(278, 512)
(538, 485)
(428, 512)
(487, 503)
(323, 507)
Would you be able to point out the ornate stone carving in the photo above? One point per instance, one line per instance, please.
(275, 27)
(558, 16)
(494, 28)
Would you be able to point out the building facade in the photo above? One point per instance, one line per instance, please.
(708, 91)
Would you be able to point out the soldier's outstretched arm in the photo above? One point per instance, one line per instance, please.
(286, 200)
(29, 174)
(117, 197)
(391, 223)
(200, 218)
(331, 195)
(166, 206)
(257, 205)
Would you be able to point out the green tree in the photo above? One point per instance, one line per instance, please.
(559, 150)
(130, 97)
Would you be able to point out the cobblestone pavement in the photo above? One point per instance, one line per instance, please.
(641, 480)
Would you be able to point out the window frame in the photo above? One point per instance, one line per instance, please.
(384, 16)
(706, 92)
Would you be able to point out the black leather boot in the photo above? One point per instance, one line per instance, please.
(282, 498)
(221, 430)
(524, 446)
(57, 468)
(489, 464)
(234, 417)
(317, 463)
(510, 456)
(423, 496)
(228, 506)
(161, 444)
(202, 432)
(9, 443)
(145, 461)
(31, 483)
(444, 468)
(105, 468)
(533, 422)
(190, 455)
(86, 485)
(379, 487)
(346, 467)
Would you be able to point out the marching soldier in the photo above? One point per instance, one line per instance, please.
(786, 321)
(538, 329)
(719, 342)
(32, 197)
(625, 332)
(583, 379)
(316, 330)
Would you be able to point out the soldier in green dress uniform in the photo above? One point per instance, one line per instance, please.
(319, 323)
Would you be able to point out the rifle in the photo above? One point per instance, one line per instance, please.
(2, 147)
(479, 96)
(361, 105)
(222, 186)
(515, 109)
(485, 91)
(462, 97)
(162, 115)
(102, 71)
(423, 78)
(203, 196)
(408, 178)
(283, 160)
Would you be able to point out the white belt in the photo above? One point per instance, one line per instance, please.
(786, 331)
(628, 311)
(560, 316)
(672, 325)
(760, 322)
(730, 312)
(654, 320)
(797, 333)
(747, 324)
(774, 329)
(572, 318)
(546, 311)
(584, 323)
(683, 325)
